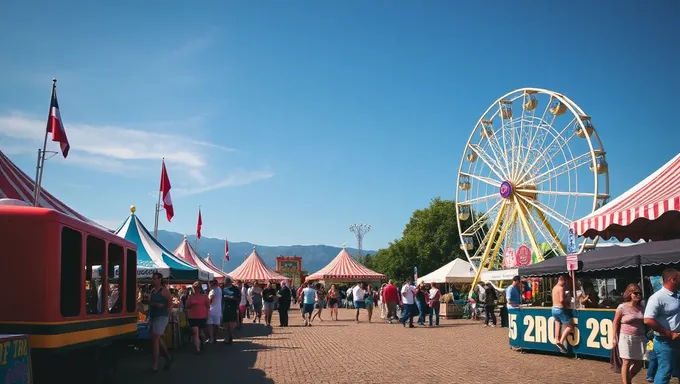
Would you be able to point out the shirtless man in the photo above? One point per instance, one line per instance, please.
(562, 312)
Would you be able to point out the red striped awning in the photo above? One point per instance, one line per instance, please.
(15, 184)
(187, 253)
(647, 211)
(254, 269)
(343, 266)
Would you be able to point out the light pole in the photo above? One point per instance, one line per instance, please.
(360, 230)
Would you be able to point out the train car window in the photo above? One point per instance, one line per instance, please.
(95, 289)
(71, 250)
(116, 278)
(131, 282)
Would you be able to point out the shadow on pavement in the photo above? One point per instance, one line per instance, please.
(225, 363)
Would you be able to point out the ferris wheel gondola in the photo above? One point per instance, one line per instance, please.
(533, 163)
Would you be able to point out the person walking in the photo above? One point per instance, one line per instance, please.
(408, 293)
(490, 305)
(391, 299)
(284, 295)
(269, 298)
(160, 303)
(198, 307)
(629, 332)
(662, 315)
(434, 296)
(215, 313)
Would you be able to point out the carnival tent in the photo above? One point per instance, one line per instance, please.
(153, 257)
(187, 253)
(254, 269)
(456, 271)
(15, 184)
(650, 210)
(618, 259)
(213, 266)
(344, 267)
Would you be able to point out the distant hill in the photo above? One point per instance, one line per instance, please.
(314, 257)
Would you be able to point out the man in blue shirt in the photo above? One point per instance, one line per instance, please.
(512, 295)
(662, 314)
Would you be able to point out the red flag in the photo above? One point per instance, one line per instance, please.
(199, 225)
(165, 193)
(55, 126)
(226, 249)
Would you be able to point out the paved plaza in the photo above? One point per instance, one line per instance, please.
(459, 351)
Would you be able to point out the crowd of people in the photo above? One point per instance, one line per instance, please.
(652, 329)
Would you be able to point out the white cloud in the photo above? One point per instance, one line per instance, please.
(236, 179)
(127, 151)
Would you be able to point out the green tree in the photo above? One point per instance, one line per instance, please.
(429, 240)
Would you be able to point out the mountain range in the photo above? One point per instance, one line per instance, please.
(314, 257)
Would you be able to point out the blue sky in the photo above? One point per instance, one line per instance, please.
(288, 121)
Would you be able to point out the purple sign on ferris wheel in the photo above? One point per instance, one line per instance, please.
(506, 189)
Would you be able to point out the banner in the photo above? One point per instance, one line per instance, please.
(534, 328)
(15, 359)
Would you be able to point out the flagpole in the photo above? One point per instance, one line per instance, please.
(158, 206)
(41, 154)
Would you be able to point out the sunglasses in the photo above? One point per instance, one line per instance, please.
(637, 293)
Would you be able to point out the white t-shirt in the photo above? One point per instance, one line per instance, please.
(358, 293)
(215, 305)
(407, 294)
(244, 296)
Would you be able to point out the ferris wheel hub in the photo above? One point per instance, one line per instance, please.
(506, 189)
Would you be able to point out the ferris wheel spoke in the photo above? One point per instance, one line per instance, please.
(534, 137)
(556, 193)
(491, 163)
(479, 223)
(551, 237)
(559, 170)
(497, 159)
(527, 170)
(549, 211)
(483, 179)
(480, 199)
(523, 214)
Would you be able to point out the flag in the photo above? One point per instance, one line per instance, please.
(165, 193)
(226, 249)
(199, 225)
(55, 126)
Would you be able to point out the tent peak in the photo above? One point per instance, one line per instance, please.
(133, 209)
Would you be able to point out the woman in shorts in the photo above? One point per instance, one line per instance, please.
(198, 307)
(333, 301)
(320, 301)
(160, 305)
(629, 332)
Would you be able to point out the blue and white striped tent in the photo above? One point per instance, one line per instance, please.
(153, 257)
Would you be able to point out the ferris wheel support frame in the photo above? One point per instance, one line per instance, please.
(523, 209)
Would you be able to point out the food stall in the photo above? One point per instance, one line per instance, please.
(533, 327)
(457, 271)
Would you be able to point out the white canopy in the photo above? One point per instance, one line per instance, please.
(457, 271)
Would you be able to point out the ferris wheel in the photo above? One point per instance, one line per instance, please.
(533, 163)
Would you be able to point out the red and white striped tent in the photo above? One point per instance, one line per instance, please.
(343, 268)
(254, 269)
(187, 253)
(212, 265)
(648, 211)
(15, 184)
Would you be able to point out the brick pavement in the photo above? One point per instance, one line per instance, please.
(459, 351)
